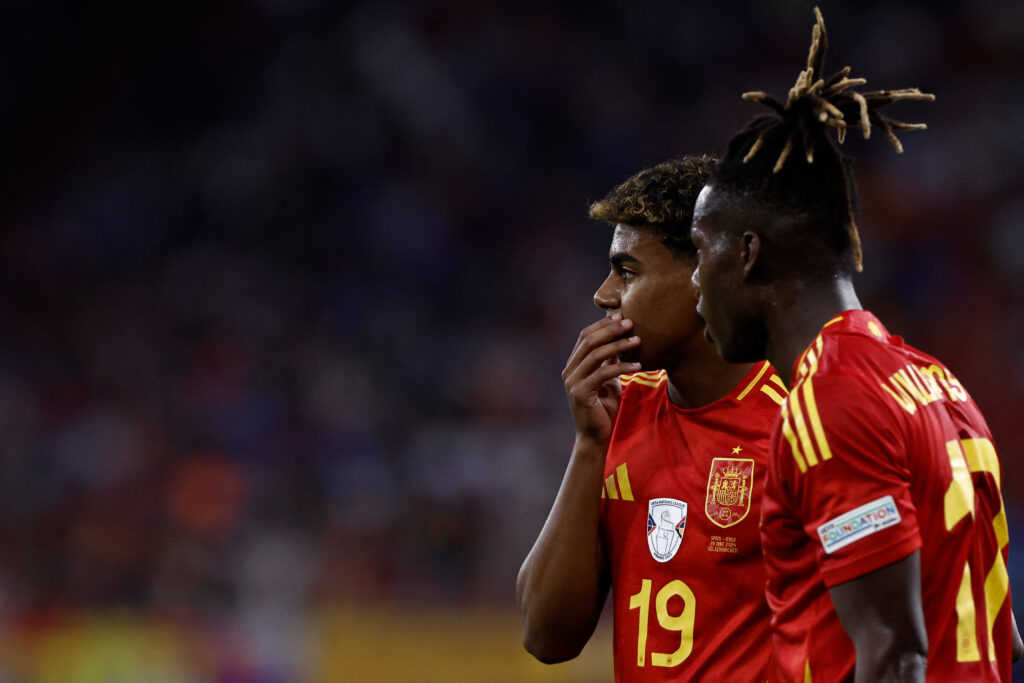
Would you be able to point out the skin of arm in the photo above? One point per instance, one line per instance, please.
(564, 580)
(882, 614)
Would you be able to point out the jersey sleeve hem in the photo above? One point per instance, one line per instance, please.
(865, 564)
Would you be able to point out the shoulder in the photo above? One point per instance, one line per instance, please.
(847, 366)
(838, 397)
(762, 389)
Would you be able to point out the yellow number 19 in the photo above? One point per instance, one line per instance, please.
(682, 622)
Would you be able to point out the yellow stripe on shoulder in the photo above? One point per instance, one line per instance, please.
(650, 379)
(760, 373)
(770, 384)
(772, 394)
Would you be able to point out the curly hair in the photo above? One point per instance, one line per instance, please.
(660, 199)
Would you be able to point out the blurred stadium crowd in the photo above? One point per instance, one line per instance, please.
(287, 285)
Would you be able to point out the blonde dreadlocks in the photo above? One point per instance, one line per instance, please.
(814, 105)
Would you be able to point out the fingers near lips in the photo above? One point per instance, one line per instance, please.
(598, 349)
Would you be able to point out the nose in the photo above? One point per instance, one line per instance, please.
(606, 297)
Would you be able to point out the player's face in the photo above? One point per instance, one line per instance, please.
(725, 300)
(650, 284)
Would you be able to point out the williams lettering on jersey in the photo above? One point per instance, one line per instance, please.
(880, 453)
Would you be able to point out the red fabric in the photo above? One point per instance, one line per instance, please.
(864, 438)
(671, 453)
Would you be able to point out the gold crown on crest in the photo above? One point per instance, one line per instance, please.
(732, 472)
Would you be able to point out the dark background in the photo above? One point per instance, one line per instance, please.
(286, 287)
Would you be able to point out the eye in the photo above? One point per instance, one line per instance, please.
(622, 272)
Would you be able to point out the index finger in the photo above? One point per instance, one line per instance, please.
(594, 327)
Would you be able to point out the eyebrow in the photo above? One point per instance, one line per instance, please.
(620, 257)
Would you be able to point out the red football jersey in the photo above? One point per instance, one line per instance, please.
(880, 452)
(679, 515)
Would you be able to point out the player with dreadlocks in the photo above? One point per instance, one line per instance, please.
(884, 530)
(660, 498)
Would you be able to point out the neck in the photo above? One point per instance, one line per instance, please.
(796, 318)
(701, 377)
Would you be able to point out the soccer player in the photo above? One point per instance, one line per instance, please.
(660, 499)
(883, 522)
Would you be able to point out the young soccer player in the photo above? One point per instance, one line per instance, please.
(884, 531)
(661, 495)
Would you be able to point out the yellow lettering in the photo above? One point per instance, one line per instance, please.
(903, 399)
(642, 601)
(979, 455)
(912, 386)
(958, 392)
(997, 586)
(927, 383)
(935, 373)
(966, 636)
(959, 501)
(682, 622)
(904, 378)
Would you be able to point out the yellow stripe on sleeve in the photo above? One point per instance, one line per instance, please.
(815, 419)
(794, 446)
(801, 430)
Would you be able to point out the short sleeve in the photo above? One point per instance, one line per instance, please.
(841, 456)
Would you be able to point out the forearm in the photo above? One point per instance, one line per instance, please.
(885, 659)
(882, 614)
(562, 584)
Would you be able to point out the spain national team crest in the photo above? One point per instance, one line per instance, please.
(729, 490)
(666, 521)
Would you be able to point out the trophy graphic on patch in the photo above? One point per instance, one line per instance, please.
(666, 521)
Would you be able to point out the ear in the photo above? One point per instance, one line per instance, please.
(750, 252)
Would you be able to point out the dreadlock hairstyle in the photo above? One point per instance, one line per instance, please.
(787, 161)
(661, 199)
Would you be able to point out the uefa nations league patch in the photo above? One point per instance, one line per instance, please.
(857, 524)
(666, 521)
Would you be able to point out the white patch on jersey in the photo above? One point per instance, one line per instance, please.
(859, 523)
(666, 521)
